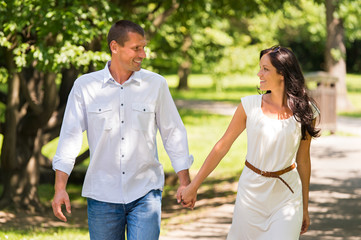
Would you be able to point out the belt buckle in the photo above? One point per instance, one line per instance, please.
(262, 173)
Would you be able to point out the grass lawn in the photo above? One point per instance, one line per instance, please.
(202, 88)
(354, 94)
(38, 234)
(204, 130)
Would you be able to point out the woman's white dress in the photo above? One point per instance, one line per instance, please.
(265, 208)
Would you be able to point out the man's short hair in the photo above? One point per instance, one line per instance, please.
(119, 31)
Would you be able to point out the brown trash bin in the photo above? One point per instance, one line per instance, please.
(322, 88)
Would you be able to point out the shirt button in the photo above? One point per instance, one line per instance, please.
(144, 110)
(122, 121)
(121, 104)
(122, 138)
(123, 172)
(121, 87)
(99, 109)
(122, 155)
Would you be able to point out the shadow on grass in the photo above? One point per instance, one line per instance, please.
(23, 221)
(20, 220)
(214, 192)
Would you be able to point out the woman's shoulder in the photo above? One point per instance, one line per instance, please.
(251, 99)
(250, 102)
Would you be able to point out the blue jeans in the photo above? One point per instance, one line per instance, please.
(107, 221)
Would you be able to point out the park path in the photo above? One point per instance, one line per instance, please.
(335, 190)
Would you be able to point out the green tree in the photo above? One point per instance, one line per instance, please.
(181, 43)
(206, 33)
(44, 44)
(343, 19)
(303, 28)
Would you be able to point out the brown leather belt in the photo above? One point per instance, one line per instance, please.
(276, 174)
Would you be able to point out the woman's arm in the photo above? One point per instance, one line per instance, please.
(235, 128)
(304, 170)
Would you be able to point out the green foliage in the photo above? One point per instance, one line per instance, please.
(1, 141)
(219, 35)
(226, 35)
(51, 35)
(337, 54)
(198, 20)
(296, 24)
(350, 13)
(3, 75)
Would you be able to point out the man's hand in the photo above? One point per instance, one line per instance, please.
(61, 197)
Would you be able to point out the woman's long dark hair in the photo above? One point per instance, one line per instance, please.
(298, 100)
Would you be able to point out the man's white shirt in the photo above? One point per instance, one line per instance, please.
(121, 123)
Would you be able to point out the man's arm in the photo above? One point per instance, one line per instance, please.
(61, 196)
(70, 141)
(174, 137)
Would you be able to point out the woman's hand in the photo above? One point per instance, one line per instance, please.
(189, 196)
(305, 222)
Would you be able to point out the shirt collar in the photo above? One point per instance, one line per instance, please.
(107, 75)
(136, 76)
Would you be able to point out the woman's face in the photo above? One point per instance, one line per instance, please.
(269, 78)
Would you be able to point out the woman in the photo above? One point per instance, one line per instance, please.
(272, 197)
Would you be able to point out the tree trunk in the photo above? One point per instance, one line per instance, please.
(19, 168)
(335, 54)
(25, 119)
(21, 181)
(184, 68)
(183, 73)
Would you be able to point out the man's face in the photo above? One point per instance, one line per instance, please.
(131, 55)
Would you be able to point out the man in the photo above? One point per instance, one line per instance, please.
(121, 107)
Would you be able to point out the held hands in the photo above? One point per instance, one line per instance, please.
(187, 196)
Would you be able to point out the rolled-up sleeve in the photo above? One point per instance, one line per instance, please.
(71, 134)
(172, 130)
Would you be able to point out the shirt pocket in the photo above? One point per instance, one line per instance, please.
(99, 116)
(143, 116)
